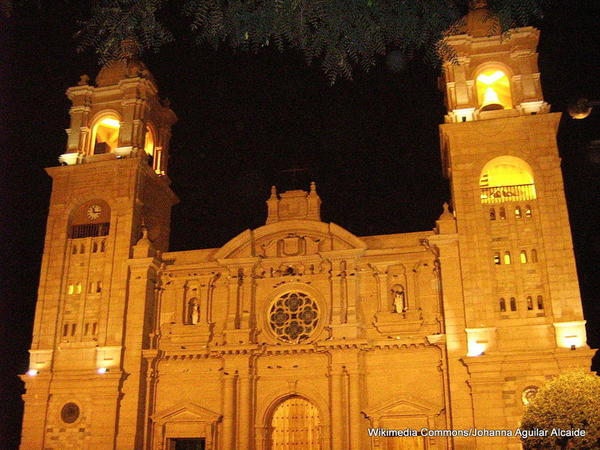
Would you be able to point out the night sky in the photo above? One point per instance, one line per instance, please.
(371, 145)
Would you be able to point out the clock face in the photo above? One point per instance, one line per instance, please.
(94, 212)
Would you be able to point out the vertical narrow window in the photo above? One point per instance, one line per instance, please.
(99, 286)
(527, 211)
(518, 212)
(65, 329)
(86, 329)
(73, 329)
(502, 305)
(82, 249)
(523, 256)
(497, 258)
(71, 289)
(513, 304)
(74, 249)
(95, 328)
(95, 247)
(506, 257)
(103, 246)
(492, 214)
(534, 257)
(540, 302)
(502, 213)
(529, 303)
(92, 288)
(78, 288)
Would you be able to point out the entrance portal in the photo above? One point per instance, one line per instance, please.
(296, 425)
(186, 444)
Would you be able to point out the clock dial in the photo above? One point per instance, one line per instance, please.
(94, 212)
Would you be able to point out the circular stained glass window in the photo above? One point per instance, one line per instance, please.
(293, 317)
(69, 412)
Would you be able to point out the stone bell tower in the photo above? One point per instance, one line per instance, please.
(523, 318)
(109, 219)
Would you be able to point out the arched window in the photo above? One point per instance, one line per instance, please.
(523, 256)
(493, 90)
(502, 213)
(529, 303)
(492, 214)
(105, 134)
(78, 288)
(502, 305)
(540, 302)
(534, 257)
(513, 304)
(506, 257)
(507, 179)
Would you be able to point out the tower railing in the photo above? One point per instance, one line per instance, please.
(501, 194)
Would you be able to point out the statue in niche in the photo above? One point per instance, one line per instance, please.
(400, 305)
(194, 311)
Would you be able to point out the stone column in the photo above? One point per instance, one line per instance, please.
(338, 421)
(245, 412)
(228, 437)
(354, 408)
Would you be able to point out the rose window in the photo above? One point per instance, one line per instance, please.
(293, 317)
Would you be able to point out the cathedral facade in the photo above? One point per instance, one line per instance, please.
(300, 334)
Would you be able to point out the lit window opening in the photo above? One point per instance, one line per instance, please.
(497, 260)
(518, 212)
(506, 257)
(523, 256)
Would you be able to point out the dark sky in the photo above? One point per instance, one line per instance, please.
(371, 145)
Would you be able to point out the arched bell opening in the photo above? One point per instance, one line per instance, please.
(105, 134)
(493, 90)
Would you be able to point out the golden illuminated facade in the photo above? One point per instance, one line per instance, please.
(299, 334)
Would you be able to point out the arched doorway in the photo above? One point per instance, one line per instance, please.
(296, 425)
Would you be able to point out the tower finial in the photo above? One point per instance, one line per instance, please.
(313, 187)
(478, 4)
(273, 193)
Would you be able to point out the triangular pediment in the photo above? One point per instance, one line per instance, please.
(186, 412)
(408, 405)
(288, 239)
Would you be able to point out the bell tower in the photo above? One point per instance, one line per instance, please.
(108, 222)
(522, 307)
